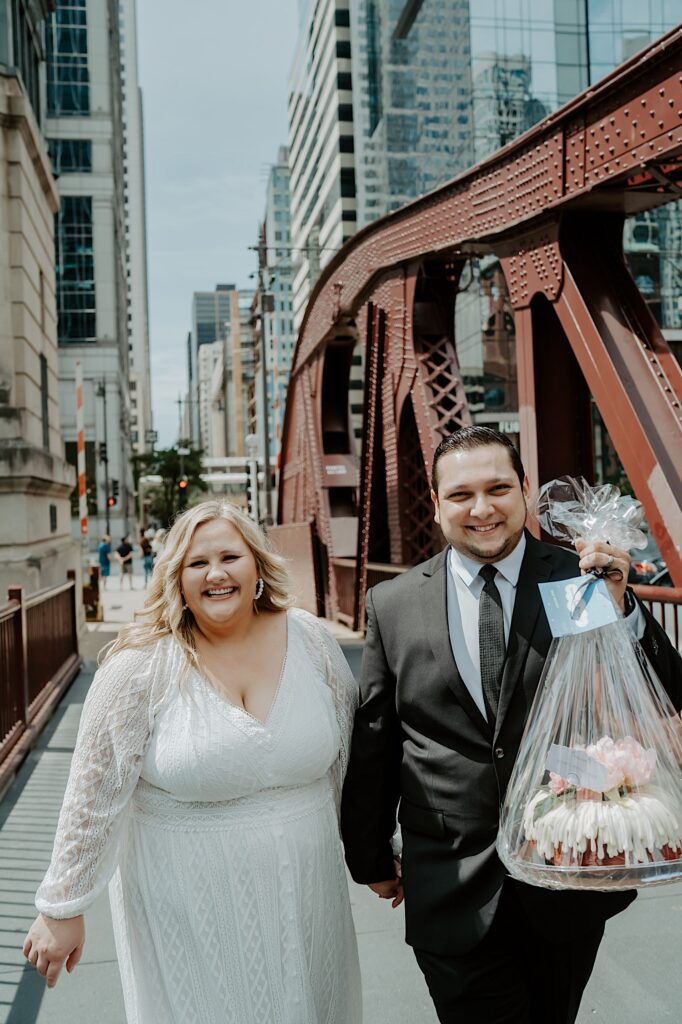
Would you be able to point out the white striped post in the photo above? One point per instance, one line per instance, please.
(80, 449)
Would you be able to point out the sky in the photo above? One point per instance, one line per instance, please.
(214, 83)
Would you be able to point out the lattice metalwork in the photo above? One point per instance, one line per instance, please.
(546, 207)
(420, 536)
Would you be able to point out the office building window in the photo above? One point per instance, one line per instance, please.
(75, 270)
(27, 48)
(70, 155)
(44, 409)
(66, 38)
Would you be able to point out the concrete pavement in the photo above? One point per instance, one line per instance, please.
(637, 977)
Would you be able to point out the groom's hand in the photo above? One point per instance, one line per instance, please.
(392, 889)
(601, 555)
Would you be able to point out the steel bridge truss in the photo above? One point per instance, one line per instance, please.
(550, 208)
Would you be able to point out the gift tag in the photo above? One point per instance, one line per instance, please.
(577, 605)
(577, 767)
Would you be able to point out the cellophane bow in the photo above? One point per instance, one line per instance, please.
(569, 507)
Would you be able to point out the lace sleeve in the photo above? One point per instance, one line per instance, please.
(112, 738)
(324, 650)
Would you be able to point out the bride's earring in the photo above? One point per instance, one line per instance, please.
(260, 587)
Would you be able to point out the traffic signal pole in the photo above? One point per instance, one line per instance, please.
(104, 457)
(182, 482)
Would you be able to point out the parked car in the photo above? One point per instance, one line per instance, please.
(647, 564)
(662, 578)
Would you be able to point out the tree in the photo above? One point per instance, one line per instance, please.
(165, 498)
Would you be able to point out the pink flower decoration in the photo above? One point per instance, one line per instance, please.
(556, 784)
(626, 760)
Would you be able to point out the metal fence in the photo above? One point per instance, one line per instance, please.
(665, 604)
(38, 659)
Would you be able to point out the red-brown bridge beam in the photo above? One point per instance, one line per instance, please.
(550, 206)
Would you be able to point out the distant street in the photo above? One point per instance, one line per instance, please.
(637, 977)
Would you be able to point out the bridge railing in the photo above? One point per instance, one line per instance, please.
(38, 659)
(665, 604)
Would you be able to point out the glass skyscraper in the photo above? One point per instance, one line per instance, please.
(411, 101)
(441, 84)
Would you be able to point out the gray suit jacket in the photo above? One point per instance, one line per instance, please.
(421, 742)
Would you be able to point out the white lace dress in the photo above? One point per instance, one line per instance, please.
(219, 837)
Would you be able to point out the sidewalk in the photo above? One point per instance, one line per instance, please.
(637, 976)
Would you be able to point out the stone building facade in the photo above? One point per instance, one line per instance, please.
(36, 548)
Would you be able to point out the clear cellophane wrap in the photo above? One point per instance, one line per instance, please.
(611, 816)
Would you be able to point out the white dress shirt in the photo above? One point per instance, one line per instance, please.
(464, 592)
(464, 587)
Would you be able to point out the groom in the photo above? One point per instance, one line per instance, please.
(454, 652)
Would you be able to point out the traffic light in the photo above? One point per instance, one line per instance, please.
(182, 492)
(252, 506)
(111, 500)
(114, 491)
(103, 452)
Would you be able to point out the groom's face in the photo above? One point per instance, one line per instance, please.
(480, 505)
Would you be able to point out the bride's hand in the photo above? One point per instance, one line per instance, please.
(51, 943)
(392, 888)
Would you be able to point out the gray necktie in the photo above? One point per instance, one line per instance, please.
(491, 644)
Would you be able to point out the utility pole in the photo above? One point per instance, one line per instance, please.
(262, 254)
(179, 404)
(103, 453)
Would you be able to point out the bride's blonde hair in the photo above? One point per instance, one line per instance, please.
(165, 611)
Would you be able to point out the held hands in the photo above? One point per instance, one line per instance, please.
(600, 555)
(391, 889)
(50, 944)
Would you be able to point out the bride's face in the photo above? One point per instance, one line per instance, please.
(219, 575)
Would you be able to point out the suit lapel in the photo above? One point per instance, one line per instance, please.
(535, 568)
(433, 600)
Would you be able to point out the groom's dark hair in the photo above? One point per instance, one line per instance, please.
(465, 439)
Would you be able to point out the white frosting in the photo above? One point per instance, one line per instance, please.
(636, 825)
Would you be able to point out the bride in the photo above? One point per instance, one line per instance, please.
(204, 788)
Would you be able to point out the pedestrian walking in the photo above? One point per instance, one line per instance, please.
(104, 556)
(124, 554)
(158, 542)
(147, 556)
(454, 653)
(206, 780)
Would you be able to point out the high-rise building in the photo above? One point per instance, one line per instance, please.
(321, 144)
(278, 311)
(225, 397)
(36, 547)
(94, 130)
(411, 101)
(136, 235)
(240, 374)
(211, 315)
(439, 85)
(210, 370)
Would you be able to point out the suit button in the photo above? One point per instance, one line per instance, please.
(499, 752)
